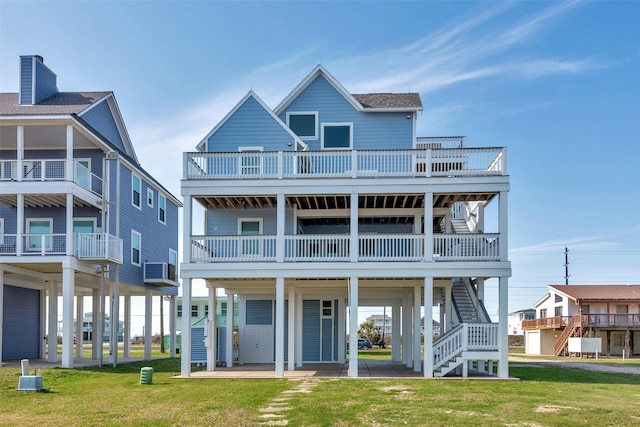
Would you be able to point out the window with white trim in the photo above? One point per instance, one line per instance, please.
(179, 314)
(162, 208)
(136, 191)
(337, 136)
(303, 123)
(136, 247)
(173, 264)
(149, 197)
(39, 230)
(250, 164)
(250, 227)
(194, 310)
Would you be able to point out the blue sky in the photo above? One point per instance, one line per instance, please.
(558, 83)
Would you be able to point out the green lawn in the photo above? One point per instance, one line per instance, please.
(545, 396)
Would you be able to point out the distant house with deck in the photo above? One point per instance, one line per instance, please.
(609, 312)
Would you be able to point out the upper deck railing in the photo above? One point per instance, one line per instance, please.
(96, 247)
(48, 171)
(584, 320)
(420, 162)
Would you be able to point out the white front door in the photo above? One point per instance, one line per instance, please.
(258, 343)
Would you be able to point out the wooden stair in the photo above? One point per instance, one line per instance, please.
(573, 329)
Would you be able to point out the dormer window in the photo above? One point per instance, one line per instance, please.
(304, 124)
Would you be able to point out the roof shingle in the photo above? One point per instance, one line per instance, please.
(60, 103)
(600, 292)
(408, 100)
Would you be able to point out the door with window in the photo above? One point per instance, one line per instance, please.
(250, 227)
(82, 175)
(39, 234)
(81, 227)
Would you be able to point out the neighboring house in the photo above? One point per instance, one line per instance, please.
(436, 327)
(609, 312)
(79, 217)
(382, 322)
(330, 201)
(517, 317)
(87, 328)
(199, 312)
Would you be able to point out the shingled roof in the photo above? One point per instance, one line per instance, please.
(401, 101)
(59, 104)
(600, 292)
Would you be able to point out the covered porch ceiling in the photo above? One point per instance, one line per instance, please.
(44, 200)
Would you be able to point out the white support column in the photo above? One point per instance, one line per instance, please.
(428, 227)
(1, 309)
(280, 218)
(52, 342)
(148, 323)
(503, 327)
(428, 327)
(353, 237)
(185, 350)
(79, 323)
(114, 300)
(353, 324)
(407, 358)
(503, 226)
(69, 155)
(417, 302)
(448, 307)
(291, 345)
(68, 288)
(98, 320)
(20, 151)
(229, 355)
(172, 324)
(442, 319)
(480, 288)
(342, 330)
(211, 338)
(19, 219)
(186, 239)
(480, 216)
(69, 225)
(127, 327)
(395, 332)
(95, 309)
(279, 327)
(299, 335)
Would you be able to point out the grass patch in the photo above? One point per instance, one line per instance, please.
(547, 395)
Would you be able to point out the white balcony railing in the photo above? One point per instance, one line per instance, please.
(50, 170)
(87, 246)
(346, 163)
(98, 247)
(336, 248)
(465, 337)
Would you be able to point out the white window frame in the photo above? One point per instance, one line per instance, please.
(48, 241)
(305, 113)
(175, 253)
(150, 197)
(139, 263)
(1, 230)
(161, 209)
(260, 231)
(241, 167)
(134, 190)
(332, 124)
(86, 219)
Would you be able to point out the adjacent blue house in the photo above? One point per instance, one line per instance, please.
(79, 217)
(330, 202)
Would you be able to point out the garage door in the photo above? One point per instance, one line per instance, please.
(21, 324)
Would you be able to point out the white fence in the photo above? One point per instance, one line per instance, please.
(465, 337)
(98, 246)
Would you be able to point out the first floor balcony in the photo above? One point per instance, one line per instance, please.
(338, 248)
(95, 247)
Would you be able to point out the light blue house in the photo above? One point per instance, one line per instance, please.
(330, 202)
(79, 217)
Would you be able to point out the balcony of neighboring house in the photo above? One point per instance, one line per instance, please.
(431, 157)
(94, 247)
(607, 321)
(43, 172)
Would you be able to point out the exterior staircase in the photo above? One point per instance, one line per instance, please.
(573, 329)
(459, 225)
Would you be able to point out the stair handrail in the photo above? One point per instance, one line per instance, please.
(456, 309)
(477, 302)
(574, 322)
(448, 346)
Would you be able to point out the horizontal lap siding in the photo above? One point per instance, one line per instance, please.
(45, 82)
(198, 350)
(101, 119)
(259, 312)
(21, 324)
(311, 330)
(26, 80)
(371, 131)
(250, 126)
(224, 222)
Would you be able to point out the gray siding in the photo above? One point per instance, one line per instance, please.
(101, 119)
(250, 126)
(21, 324)
(310, 330)
(371, 131)
(198, 350)
(224, 222)
(26, 80)
(327, 340)
(259, 312)
(45, 82)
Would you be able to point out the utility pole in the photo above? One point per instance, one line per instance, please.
(566, 266)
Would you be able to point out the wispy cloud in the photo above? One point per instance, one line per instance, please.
(595, 242)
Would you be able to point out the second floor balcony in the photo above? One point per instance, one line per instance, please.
(50, 170)
(94, 247)
(421, 162)
(337, 248)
